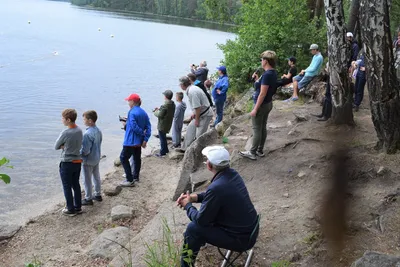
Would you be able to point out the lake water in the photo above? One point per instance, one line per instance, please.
(62, 60)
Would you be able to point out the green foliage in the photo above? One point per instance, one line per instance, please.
(4, 162)
(249, 106)
(225, 140)
(282, 26)
(165, 252)
(34, 263)
(395, 16)
(283, 263)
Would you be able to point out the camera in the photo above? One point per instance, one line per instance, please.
(123, 119)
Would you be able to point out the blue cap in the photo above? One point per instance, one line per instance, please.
(222, 69)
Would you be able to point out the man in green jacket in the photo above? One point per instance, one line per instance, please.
(165, 115)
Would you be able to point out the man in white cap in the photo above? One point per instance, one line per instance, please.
(354, 49)
(305, 76)
(227, 218)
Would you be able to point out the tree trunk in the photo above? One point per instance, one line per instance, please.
(339, 53)
(354, 22)
(383, 86)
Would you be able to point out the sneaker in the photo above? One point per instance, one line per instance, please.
(98, 198)
(295, 99)
(87, 202)
(159, 155)
(124, 175)
(136, 180)
(356, 108)
(127, 184)
(287, 100)
(260, 154)
(248, 154)
(78, 211)
(175, 146)
(67, 212)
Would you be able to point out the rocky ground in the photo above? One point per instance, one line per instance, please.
(287, 187)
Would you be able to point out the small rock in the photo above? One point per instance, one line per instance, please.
(112, 190)
(117, 162)
(230, 130)
(293, 132)
(301, 115)
(220, 127)
(121, 212)
(286, 195)
(295, 257)
(272, 126)
(285, 206)
(301, 174)
(382, 170)
(8, 230)
(289, 123)
(374, 259)
(175, 155)
(311, 165)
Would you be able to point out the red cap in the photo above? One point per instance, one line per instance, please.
(133, 97)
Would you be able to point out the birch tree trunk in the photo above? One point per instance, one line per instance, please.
(338, 53)
(383, 86)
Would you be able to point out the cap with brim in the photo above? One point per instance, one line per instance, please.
(314, 46)
(168, 94)
(349, 34)
(222, 68)
(217, 155)
(133, 97)
(293, 59)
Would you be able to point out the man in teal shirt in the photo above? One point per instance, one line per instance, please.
(305, 76)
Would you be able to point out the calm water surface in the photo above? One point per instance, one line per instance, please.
(61, 60)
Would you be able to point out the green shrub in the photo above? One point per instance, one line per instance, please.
(4, 162)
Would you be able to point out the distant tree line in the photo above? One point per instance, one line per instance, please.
(194, 9)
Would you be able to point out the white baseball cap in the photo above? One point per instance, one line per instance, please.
(217, 155)
(349, 34)
(314, 46)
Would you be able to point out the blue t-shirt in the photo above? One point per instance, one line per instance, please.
(268, 78)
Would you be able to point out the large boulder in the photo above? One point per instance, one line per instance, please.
(241, 105)
(375, 259)
(109, 243)
(193, 160)
(8, 230)
(121, 212)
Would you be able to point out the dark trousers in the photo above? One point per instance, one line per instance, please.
(197, 236)
(163, 143)
(359, 90)
(282, 82)
(126, 153)
(219, 106)
(70, 173)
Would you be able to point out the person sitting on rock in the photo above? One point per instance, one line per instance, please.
(288, 78)
(227, 217)
(201, 72)
(327, 103)
(304, 78)
(202, 113)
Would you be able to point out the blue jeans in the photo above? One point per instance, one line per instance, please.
(196, 236)
(219, 106)
(359, 90)
(70, 173)
(163, 143)
(126, 153)
(302, 80)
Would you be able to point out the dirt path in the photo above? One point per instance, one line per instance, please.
(57, 240)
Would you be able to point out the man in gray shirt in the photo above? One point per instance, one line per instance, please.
(70, 141)
(202, 113)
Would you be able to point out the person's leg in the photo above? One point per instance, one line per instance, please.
(178, 136)
(132, 163)
(303, 83)
(361, 90)
(96, 180)
(87, 180)
(66, 179)
(196, 236)
(190, 135)
(220, 111)
(356, 86)
(203, 125)
(126, 153)
(163, 143)
(137, 161)
(174, 133)
(76, 186)
(266, 110)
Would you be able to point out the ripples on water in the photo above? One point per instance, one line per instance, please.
(89, 71)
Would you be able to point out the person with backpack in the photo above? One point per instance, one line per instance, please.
(201, 85)
(265, 88)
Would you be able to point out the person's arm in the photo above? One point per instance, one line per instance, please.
(197, 115)
(134, 126)
(60, 141)
(198, 72)
(87, 144)
(262, 95)
(200, 197)
(315, 64)
(208, 211)
(224, 85)
(147, 133)
(161, 112)
(355, 52)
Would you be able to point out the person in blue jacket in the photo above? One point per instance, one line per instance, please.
(227, 217)
(219, 93)
(137, 134)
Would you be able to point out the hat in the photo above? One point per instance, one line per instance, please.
(184, 80)
(222, 69)
(168, 94)
(133, 97)
(217, 155)
(349, 34)
(314, 46)
(293, 59)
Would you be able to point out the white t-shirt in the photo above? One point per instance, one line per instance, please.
(197, 98)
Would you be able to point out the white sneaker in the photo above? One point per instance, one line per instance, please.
(124, 175)
(248, 154)
(127, 184)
